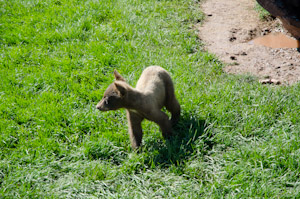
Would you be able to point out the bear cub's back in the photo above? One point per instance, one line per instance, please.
(153, 79)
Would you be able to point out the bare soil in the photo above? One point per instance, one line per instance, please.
(230, 26)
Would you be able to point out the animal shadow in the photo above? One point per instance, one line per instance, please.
(189, 133)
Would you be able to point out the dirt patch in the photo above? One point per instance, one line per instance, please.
(227, 31)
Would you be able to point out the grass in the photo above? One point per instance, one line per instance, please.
(264, 15)
(236, 138)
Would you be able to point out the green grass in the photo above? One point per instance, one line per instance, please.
(264, 15)
(236, 138)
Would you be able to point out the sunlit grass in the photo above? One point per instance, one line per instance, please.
(236, 138)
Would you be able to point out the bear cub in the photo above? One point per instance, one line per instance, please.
(154, 90)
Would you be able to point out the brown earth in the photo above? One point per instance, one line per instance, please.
(230, 26)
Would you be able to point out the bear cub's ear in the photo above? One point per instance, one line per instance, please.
(121, 88)
(118, 76)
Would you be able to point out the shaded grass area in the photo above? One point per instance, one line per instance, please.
(236, 138)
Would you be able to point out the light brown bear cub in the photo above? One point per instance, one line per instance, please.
(153, 91)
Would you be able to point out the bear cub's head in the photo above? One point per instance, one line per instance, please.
(114, 95)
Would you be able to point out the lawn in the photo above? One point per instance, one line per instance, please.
(236, 138)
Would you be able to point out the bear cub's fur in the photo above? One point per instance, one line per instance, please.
(154, 90)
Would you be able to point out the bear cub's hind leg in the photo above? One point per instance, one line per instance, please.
(164, 123)
(174, 108)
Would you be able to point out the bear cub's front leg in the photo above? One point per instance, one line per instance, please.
(135, 128)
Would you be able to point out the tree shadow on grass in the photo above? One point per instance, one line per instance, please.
(190, 137)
